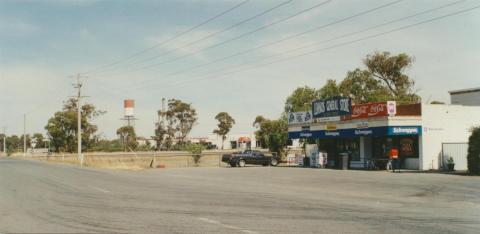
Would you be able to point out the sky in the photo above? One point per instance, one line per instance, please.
(147, 50)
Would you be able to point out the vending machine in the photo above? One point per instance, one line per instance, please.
(311, 151)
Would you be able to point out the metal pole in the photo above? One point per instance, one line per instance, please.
(79, 123)
(24, 135)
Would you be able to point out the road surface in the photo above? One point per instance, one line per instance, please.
(46, 197)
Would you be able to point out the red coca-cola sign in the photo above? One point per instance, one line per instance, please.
(363, 111)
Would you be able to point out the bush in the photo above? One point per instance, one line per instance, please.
(473, 157)
(195, 149)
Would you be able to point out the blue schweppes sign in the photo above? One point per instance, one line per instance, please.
(331, 107)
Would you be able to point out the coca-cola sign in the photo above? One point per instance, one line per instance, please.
(363, 111)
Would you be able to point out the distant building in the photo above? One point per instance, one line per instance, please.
(145, 141)
(233, 141)
(465, 97)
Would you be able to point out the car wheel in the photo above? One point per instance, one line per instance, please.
(233, 164)
(265, 164)
(274, 162)
(241, 163)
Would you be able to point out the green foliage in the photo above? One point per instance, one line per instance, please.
(38, 138)
(390, 70)
(127, 136)
(450, 161)
(260, 134)
(104, 145)
(195, 149)
(329, 90)
(160, 133)
(13, 144)
(181, 117)
(225, 124)
(273, 133)
(383, 80)
(361, 87)
(437, 103)
(62, 127)
(176, 123)
(301, 99)
(473, 156)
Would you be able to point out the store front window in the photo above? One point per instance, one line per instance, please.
(350, 145)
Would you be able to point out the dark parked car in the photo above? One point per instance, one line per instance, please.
(255, 157)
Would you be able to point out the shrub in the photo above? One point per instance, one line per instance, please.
(195, 149)
(473, 156)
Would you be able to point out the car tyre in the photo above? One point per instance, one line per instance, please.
(233, 164)
(274, 162)
(241, 163)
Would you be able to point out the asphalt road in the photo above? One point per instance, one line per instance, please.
(43, 197)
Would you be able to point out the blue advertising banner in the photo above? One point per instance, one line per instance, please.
(331, 107)
(404, 130)
(353, 132)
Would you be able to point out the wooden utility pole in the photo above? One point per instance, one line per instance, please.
(78, 86)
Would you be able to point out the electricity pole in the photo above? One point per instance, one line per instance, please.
(24, 135)
(78, 86)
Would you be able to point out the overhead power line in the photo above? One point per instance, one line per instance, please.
(336, 45)
(349, 34)
(237, 37)
(166, 41)
(204, 37)
(362, 13)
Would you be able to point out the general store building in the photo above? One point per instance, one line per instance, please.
(369, 131)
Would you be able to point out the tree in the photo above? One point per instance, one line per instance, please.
(127, 135)
(160, 133)
(13, 144)
(38, 138)
(225, 124)
(361, 87)
(28, 141)
(181, 117)
(274, 133)
(260, 134)
(3, 137)
(301, 99)
(62, 127)
(329, 90)
(473, 156)
(383, 80)
(175, 123)
(390, 70)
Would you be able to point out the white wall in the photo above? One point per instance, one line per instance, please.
(444, 123)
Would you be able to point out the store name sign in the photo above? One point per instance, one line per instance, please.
(299, 117)
(331, 107)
